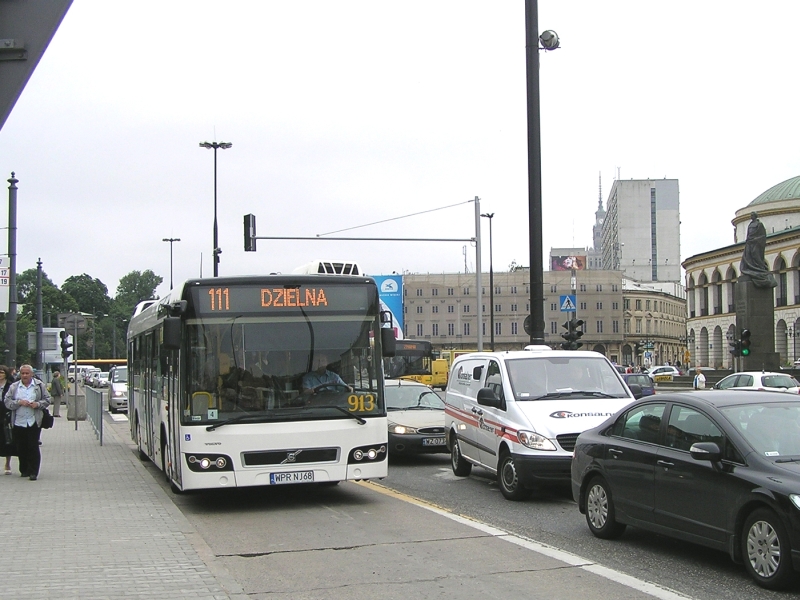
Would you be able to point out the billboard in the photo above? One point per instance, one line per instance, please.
(567, 263)
(390, 292)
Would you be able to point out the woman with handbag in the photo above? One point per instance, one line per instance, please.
(27, 399)
(7, 448)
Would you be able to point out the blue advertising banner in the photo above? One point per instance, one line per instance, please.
(390, 291)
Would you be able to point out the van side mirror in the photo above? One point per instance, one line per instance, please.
(636, 390)
(487, 397)
(172, 333)
(388, 342)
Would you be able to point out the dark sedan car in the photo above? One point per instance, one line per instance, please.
(717, 468)
(642, 380)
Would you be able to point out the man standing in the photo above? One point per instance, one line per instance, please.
(699, 382)
(26, 399)
(57, 392)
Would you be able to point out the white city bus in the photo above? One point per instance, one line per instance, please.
(216, 374)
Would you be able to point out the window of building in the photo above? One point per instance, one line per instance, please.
(614, 326)
(419, 292)
(626, 303)
(419, 329)
(553, 289)
(497, 290)
(498, 329)
(599, 327)
(615, 306)
(434, 329)
(434, 309)
(638, 326)
(647, 304)
(466, 328)
(498, 308)
(599, 287)
(451, 329)
(553, 326)
(483, 328)
(583, 305)
(599, 306)
(638, 304)
(435, 292)
(553, 306)
(513, 308)
(419, 310)
(626, 326)
(614, 287)
(483, 308)
(513, 289)
(451, 308)
(582, 287)
(450, 291)
(466, 291)
(466, 308)
(513, 329)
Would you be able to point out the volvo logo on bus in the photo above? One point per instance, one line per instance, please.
(291, 456)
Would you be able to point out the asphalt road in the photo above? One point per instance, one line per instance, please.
(225, 520)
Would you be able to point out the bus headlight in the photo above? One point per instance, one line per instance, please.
(364, 454)
(209, 462)
(535, 441)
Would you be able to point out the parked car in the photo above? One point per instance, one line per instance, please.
(100, 380)
(118, 389)
(716, 468)
(643, 380)
(88, 374)
(416, 418)
(517, 414)
(759, 380)
(620, 368)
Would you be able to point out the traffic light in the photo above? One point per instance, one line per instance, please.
(573, 334)
(65, 345)
(736, 348)
(249, 233)
(745, 343)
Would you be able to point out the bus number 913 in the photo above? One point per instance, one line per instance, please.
(362, 403)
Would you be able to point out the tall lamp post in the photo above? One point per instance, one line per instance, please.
(490, 216)
(215, 146)
(171, 240)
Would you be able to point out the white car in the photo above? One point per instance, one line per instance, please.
(664, 370)
(759, 380)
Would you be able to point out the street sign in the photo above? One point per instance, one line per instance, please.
(568, 303)
(72, 322)
(5, 282)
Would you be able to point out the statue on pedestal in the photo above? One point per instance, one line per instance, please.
(754, 266)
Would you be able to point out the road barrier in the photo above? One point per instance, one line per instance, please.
(94, 410)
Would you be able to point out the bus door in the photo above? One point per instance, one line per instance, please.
(169, 372)
(147, 414)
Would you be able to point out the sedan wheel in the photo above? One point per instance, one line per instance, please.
(766, 550)
(599, 508)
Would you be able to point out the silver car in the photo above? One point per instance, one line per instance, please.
(118, 389)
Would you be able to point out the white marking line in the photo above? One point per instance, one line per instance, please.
(116, 417)
(651, 589)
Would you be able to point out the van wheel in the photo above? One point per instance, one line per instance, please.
(766, 550)
(508, 479)
(461, 466)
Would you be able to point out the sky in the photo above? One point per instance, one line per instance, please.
(348, 113)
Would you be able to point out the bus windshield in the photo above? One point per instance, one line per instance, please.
(280, 368)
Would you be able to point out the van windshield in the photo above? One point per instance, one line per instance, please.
(540, 377)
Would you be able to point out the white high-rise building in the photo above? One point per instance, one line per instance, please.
(641, 230)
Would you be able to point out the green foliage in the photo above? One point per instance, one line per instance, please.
(90, 294)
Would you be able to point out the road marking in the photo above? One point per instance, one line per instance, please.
(651, 589)
(118, 418)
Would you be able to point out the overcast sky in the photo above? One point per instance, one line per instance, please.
(344, 113)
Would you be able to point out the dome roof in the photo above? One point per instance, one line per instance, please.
(787, 190)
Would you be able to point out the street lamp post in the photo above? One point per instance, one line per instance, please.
(171, 240)
(490, 216)
(217, 250)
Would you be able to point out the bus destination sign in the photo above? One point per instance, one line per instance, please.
(253, 299)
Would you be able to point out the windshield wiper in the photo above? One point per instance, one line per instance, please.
(570, 392)
(231, 420)
(347, 412)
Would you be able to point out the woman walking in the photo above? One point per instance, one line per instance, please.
(7, 448)
(26, 399)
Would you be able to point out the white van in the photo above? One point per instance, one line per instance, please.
(80, 370)
(519, 413)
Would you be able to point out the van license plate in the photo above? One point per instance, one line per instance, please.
(440, 441)
(291, 477)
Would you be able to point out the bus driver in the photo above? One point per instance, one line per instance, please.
(321, 376)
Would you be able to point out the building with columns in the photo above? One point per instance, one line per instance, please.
(711, 280)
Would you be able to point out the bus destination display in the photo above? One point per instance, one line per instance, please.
(253, 299)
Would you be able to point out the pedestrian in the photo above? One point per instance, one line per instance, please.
(26, 399)
(699, 382)
(57, 392)
(8, 446)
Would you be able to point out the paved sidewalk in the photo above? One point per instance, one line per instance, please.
(96, 525)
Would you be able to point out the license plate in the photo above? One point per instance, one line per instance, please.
(291, 477)
(440, 441)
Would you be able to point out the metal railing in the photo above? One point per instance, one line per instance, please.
(94, 410)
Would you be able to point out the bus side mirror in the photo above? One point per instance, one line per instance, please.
(388, 342)
(172, 333)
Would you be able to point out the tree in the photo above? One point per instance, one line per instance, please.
(133, 288)
(54, 300)
(90, 294)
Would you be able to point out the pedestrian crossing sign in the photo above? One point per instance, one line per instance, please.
(568, 303)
